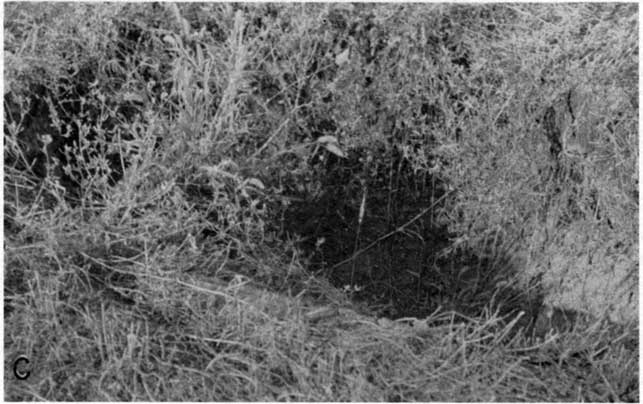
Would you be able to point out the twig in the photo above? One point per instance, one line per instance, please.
(362, 208)
(387, 235)
(270, 139)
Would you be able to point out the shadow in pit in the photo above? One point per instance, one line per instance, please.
(400, 260)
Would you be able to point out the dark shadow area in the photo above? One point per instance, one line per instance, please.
(400, 259)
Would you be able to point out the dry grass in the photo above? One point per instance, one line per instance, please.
(150, 261)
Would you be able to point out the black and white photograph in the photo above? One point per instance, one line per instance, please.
(321, 202)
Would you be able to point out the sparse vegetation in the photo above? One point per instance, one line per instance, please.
(321, 202)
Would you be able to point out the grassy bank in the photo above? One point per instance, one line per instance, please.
(321, 202)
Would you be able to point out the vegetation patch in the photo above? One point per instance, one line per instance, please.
(321, 202)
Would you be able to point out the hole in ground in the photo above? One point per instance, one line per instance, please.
(400, 259)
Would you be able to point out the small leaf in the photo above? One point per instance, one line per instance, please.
(170, 39)
(327, 139)
(334, 148)
(342, 58)
(362, 207)
(256, 183)
(199, 55)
